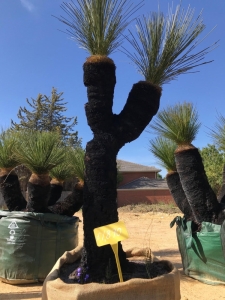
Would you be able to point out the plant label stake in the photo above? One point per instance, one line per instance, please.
(112, 234)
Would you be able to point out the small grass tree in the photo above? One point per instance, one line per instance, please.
(179, 123)
(97, 26)
(39, 152)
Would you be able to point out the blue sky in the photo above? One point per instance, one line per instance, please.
(35, 56)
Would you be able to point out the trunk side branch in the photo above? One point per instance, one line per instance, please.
(142, 104)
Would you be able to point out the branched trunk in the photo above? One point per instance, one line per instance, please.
(11, 191)
(70, 205)
(177, 192)
(111, 132)
(199, 193)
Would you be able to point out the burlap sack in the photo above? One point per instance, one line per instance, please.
(166, 287)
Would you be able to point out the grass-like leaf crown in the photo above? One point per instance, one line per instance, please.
(178, 123)
(218, 133)
(40, 151)
(164, 45)
(77, 163)
(8, 143)
(97, 25)
(163, 149)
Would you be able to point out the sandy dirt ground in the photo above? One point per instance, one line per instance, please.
(145, 230)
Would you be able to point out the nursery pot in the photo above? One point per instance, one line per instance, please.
(201, 252)
(166, 287)
(30, 243)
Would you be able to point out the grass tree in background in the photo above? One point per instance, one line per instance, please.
(180, 124)
(74, 201)
(9, 182)
(98, 27)
(164, 149)
(39, 152)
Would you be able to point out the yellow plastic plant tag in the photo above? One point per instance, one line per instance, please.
(112, 234)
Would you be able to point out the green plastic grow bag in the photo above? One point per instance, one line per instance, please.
(31, 243)
(201, 252)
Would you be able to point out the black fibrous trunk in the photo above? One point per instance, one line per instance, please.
(37, 197)
(111, 132)
(199, 193)
(11, 192)
(177, 192)
(70, 205)
(54, 194)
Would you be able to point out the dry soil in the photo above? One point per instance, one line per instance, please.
(145, 229)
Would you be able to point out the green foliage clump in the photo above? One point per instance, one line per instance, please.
(163, 149)
(97, 25)
(213, 161)
(178, 123)
(40, 151)
(164, 45)
(8, 143)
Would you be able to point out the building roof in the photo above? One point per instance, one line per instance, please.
(145, 183)
(126, 166)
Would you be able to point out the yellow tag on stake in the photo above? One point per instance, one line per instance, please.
(112, 234)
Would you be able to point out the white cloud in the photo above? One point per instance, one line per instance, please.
(28, 5)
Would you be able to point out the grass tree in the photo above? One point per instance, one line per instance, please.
(39, 152)
(179, 123)
(164, 149)
(98, 27)
(76, 168)
(9, 182)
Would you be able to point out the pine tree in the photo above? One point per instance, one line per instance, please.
(46, 114)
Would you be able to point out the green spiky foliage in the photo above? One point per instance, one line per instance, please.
(163, 150)
(40, 151)
(62, 172)
(8, 143)
(218, 132)
(77, 163)
(97, 25)
(164, 45)
(178, 123)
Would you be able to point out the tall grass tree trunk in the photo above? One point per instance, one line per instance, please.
(111, 132)
(11, 191)
(38, 193)
(199, 193)
(177, 192)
